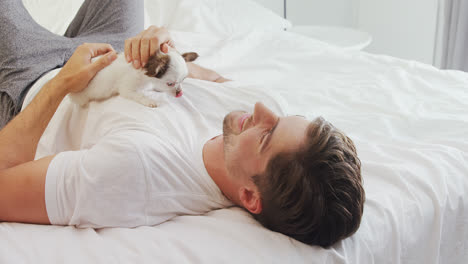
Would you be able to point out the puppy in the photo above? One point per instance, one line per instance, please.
(164, 72)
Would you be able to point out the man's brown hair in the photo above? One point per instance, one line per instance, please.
(314, 195)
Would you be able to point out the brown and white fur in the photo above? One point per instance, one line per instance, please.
(164, 72)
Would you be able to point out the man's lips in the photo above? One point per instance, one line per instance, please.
(242, 120)
(215, 137)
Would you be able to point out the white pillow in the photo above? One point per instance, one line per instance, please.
(219, 17)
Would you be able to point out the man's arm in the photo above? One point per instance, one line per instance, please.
(22, 192)
(198, 72)
(19, 138)
(22, 179)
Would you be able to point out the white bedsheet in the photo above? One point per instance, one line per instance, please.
(408, 120)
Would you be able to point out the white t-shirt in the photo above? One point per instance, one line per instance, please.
(121, 164)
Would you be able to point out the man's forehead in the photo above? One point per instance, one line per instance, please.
(290, 133)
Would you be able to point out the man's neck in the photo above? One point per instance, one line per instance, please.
(213, 159)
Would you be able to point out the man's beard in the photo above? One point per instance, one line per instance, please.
(232, 165)
(228, 134)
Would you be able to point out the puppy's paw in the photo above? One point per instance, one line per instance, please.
(148, 102)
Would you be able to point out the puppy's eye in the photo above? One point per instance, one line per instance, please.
(170, 84)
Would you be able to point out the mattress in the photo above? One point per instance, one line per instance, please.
(408, 120)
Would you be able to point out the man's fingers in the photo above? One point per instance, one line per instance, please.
(161, 35)
(139, 48)
(145, 51)
(100, 49)
(165, 47)
(129, 47)
(136, 53)
(171, 43)
(94, 49)
(128, 50)
(154, 46)
(102, 62)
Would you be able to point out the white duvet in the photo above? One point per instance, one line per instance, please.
(408, 120)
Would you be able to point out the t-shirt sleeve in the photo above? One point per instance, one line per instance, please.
(97, 187)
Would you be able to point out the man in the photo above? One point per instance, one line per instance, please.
(118, 163)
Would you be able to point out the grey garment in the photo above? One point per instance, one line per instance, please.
(28, 50)
(7, 108)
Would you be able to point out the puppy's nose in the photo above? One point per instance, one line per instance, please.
(179, 92)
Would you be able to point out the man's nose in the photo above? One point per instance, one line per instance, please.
(263, 113)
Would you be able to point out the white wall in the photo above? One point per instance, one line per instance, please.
(275, 5)
(401, 28)
(322, 12)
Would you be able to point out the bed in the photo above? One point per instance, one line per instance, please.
(409, 122)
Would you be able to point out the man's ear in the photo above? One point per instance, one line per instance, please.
(251, 200)
(190, 56)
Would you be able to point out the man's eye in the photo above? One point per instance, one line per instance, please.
(170, 84)
(264, 135)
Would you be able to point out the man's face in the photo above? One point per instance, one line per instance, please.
(250, 140)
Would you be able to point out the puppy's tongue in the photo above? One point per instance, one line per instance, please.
(179, 94)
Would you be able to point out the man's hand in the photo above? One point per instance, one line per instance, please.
(79, 70)
(139, 48)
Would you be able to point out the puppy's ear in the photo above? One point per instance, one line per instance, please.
(157, 65)
(190, 56)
